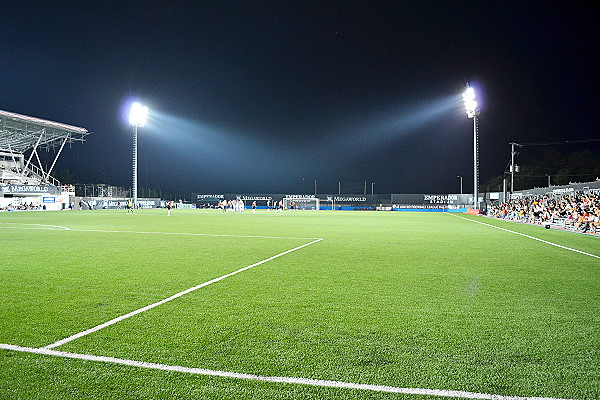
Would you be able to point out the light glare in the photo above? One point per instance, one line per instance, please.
(470, 103)
(469, 94)
(138, 115)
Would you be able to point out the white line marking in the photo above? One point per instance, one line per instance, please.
(18, 223)
(527, 236)
(158, 303)
(193, 234)
(275, 379)
(155, 233)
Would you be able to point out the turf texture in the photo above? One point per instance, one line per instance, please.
(411, 300)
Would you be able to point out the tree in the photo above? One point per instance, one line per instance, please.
(66, 177)
(583, 166)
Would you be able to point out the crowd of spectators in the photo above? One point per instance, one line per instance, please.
(22, 207)
(16, 176)
(576, 211)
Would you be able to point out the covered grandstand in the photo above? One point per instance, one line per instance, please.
(24, 178)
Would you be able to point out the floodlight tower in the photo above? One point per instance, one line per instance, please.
(473, 112)
(137, 118)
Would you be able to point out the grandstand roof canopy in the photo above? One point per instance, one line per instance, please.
(19, 133)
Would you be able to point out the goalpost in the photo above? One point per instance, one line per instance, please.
(301, 203)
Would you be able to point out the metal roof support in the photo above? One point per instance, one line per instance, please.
(12, 154)
(37, 155)
(56, 158)
(34, 147)
(21, 133)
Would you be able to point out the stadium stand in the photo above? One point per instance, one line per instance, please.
(22, 182)
(577, 211)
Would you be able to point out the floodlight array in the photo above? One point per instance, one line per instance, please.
(138, 115)
(470, 103)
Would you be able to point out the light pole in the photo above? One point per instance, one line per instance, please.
(458, 176)
(473, 112)
(513, 168)
(372, 184)
(137, 118)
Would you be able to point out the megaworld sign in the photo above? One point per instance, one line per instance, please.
(349, 199)
(29, 189)
(254, 198)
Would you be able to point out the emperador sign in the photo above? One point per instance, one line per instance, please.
(29, 189)
(431, 200)
(209, 198)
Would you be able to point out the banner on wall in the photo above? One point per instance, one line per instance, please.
(29, 189)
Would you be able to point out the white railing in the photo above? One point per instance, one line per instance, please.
(41, 175)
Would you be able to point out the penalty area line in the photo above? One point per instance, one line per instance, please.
(158, 303)
(527, 236)
(273, 379)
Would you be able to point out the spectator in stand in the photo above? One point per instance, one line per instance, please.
(596, 221)
(574, 211)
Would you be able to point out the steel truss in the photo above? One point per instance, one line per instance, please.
(20, 134)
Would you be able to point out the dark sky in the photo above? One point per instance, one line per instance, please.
(261, 96)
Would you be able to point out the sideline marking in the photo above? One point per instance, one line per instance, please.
(275, 379)
(530, 237)
(158, 303)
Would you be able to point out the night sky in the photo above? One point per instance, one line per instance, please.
(267, 97)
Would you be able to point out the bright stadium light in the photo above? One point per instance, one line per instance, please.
(470, 103)
(473, 111)
(137, 118)
(138, 114)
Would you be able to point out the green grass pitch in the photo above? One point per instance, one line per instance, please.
(407, 300)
